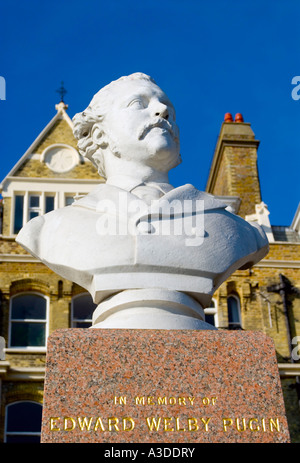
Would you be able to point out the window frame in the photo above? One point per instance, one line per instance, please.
(26, 205)
(213, 311)
(20, 433)
(46, 322)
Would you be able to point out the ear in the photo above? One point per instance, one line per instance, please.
(98, 136)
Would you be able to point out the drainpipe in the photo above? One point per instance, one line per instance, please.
(284, 288)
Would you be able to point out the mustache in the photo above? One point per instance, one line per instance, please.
(163, 124)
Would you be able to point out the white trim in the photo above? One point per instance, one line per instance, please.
(279, 263)
(289, 369)
(213, 311)
(29, 180)
(296, 220)
(17, 257)
(46, 321)
(4, 366)
(59, 192)
(25, 374)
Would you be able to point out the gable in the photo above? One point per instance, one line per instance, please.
(54, 154)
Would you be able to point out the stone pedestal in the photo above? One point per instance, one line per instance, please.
(162, 386)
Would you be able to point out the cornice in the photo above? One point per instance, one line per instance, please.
(289, 369)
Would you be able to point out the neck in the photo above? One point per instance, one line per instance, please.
(140, 172)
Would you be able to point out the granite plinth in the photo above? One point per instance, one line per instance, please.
(171, 386)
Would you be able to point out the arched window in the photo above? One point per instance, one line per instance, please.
(82, 311)
(23, 422)
(28, 320)
(211, 313)
(234, 312)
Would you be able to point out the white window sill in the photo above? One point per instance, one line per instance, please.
(25, 350)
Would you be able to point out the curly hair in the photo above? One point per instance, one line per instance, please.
(95, 113)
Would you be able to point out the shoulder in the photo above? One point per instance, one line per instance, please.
(28, 236)
(190, 193)
(43, 229)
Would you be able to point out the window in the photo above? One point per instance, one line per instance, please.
(30, 205)
(69, 200)
(49, 203)
(28, 320)
(234, 312)
(23, 422)
(18, 222)
(34, 206)
(211, 314)
(82, 311)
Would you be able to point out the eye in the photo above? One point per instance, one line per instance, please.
(137, 103)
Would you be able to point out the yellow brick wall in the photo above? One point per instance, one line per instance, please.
(238, 176)
(6, 216)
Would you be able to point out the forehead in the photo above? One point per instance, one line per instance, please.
(125, 90)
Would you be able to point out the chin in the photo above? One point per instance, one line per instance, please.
(164, 160)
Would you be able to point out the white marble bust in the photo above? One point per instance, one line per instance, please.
(141, 276)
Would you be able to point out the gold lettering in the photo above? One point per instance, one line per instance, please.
(130, 422)
(172, 400)
(150, 400)
(256, 428)
(238, 424)
(213, 400)
(152, 424)
(275, 424)
(206, 423)
(181, 400)
(205, 401)
(226, 422)
(53, 424)
(66, 419)
(162, 400)
(178, 426)
(99, 424)
(191, 399)
(113, 423)
(84, 423)
(166, 424)
(192, 423)
(263, 422)
(120, 400)
(140, 400)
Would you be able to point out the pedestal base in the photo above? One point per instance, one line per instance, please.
(171, 386)
(151, 309)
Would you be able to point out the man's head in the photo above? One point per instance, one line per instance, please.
(132, 119)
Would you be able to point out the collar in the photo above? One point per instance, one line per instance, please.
(185, 192)
(129, 183)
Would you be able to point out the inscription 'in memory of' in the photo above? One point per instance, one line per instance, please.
(165, 400)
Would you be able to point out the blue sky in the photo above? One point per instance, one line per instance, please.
(210, 57)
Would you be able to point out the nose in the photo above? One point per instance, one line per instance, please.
(161, 110)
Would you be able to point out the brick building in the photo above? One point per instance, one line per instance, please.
(35, 301)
